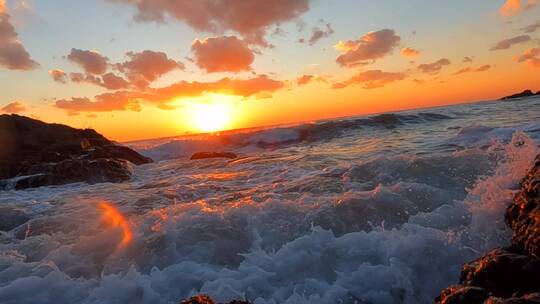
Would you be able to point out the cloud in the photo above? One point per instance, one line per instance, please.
(409, 52)
(467, 59)
(371, 79)
(222, 54)
(167, 97)
(318, 34)
(147, 66)
(14, 108)
(91, 61)
(514, 7)
(117, 101)
(507, 43)
(530, 56)
(434, 67)
(482, 68)
(58, 75)
(13, 55)
(531, 28)
(306, 79)
(251, 19)
(370, 47)
(108, 81)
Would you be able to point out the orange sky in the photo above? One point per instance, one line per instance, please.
(297, 60)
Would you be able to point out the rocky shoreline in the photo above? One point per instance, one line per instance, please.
(508, 275)
(36, 154)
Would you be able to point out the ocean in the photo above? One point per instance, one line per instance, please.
(372, 209)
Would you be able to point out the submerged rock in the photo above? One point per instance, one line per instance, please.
(12, 218)
(507, 275)
(204, 299)
(203, 155)
(37, 154)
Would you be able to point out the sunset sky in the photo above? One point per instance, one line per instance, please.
(135, 69)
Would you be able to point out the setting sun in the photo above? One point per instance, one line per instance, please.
(212, 114)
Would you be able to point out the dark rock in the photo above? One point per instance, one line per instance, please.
(526, 93)
(204, 299)
(36, 154)
(12, 218)
(203, 155)
(510, 275)
(503, 273)
(459, 294)
(523, 216)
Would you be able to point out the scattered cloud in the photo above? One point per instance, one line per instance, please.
(467, 59)
(482, 68)
(531, 28)
(514, 7)
(409, 52)
(147, 66)
(167, 97)
(111, 81)
(371, 79)
(13, 55)
(14, 108)
(251, 19)
(318, 34)
(307, 79)
(58, 75)
(222, 54)
(370, 47)
(117, 101)
(434, 67)
(92, 62)
(508, 43)
(530, 56)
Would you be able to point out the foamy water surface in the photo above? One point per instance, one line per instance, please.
(380, 209)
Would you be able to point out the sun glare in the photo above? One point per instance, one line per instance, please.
(212, 114)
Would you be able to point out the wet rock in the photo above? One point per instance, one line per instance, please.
(74, 171)
(503, 273)
(459, 294)
(203, 155)
(507, 275)
(523, 216)
(12, 218)
(204, 299)
(37, 154)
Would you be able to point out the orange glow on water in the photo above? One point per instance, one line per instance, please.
(115, 219)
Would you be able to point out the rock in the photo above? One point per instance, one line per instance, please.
(74, 171)
(526, 93)
(12, 218)
(459, 294)
(204, 299)
(37, 154)
(503, 273)
(507, 275)
(203, 155)
(523, 216)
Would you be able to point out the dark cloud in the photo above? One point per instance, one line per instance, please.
(507, 43)
(482, 68)
(13, 55)
(58, 75)
(251, 19)
(371, 79)
(147, 66)
(531, 28)
(370, 47)
(222, 54)
(92, 62)
(318, 34)
(434, 67)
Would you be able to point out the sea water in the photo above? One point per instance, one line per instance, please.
(376, 209)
